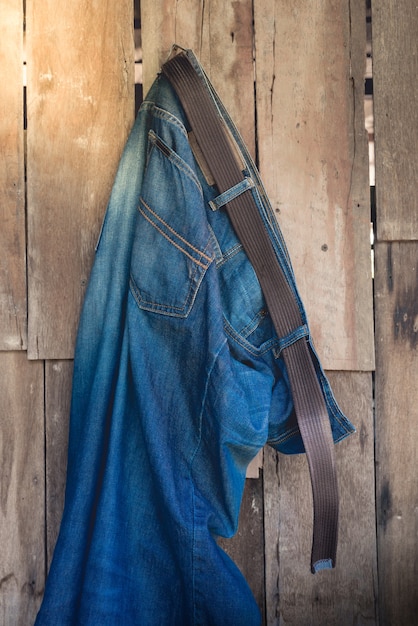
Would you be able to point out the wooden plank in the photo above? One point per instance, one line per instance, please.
(312, 145)
(22, 523)
(347, 594)
(246, 548)
(13, 332)
(80, 109)
(220, 33)
(397, 430)
(395, 94)
(58, 378)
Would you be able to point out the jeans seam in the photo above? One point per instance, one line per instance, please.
(192, 459)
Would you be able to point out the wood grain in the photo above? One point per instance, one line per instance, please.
(395, 94)
(22, 522)
(246, 548)
(58, 379)
(312, 146)
(80, 109)
(347, 594)
(397, 430)
(221, 35)
(304, 120)
(13, 332)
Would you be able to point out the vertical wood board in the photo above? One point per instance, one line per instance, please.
(246, 548)
(80, 109)
(58, 378)
(395, 96)
(221, 35)
(397, 430)
(13, 332)
(22, 523)
(346, 594)
(312, 145)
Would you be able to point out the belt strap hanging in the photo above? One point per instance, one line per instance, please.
(309, 403)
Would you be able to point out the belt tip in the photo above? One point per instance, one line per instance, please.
(322, 564)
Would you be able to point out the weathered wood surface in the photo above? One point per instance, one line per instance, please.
(309, 64)
(397, 430)
(13, 333)
(22, 522)
(395, 87)
(221, 35)
(347, 594)
(58, 378)
(246, 548)
(312, 146)
(395, 67)
(80, 109)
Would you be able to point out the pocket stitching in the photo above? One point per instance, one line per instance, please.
(170, 229)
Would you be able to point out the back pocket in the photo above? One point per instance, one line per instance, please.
(171, 250)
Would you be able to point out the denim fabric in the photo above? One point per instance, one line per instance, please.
(178, 382)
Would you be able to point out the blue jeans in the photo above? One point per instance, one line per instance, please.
(178, 383)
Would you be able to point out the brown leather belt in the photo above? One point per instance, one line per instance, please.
(309, 403)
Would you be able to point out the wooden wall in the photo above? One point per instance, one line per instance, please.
(396, 300)
(292, 76)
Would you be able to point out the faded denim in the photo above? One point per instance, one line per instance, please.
(178, 383)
